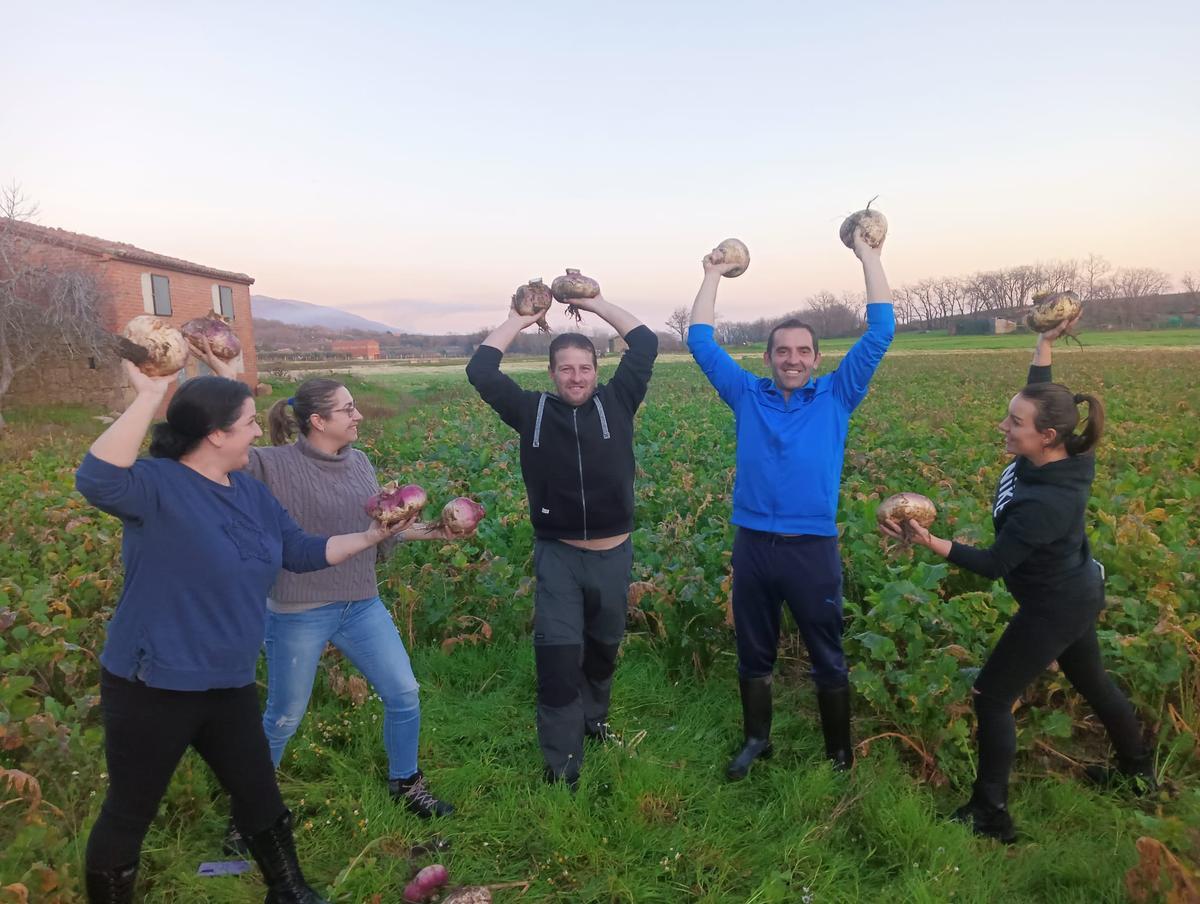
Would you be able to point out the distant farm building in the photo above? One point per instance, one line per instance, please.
(367, 349)
(133, 281)
(987, 326)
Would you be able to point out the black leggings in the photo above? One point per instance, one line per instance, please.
(146, 732)
(1027, 647)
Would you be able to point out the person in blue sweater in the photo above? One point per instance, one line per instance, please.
(791, 435)
(202, 544)
(1041, 551)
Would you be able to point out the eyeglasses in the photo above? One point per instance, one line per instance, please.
(347, 410)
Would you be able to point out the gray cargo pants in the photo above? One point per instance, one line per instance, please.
(578, 623)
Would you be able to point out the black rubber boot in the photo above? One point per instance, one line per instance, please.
(274, 850)
(986, 813)
(416, 796)
(835, 724)
(114, 886)
(1135, 773)
(756, 723)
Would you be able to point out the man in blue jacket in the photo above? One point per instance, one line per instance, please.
(791, 437)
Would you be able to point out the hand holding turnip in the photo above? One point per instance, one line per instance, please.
(378, 531)
(533, 298)
(863, 231)
(896, 513)
(907, 532)
(201, 348)
(146, 385)
(730, 258)
(1067, 327)
(460, 517)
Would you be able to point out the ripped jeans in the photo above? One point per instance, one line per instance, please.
(364, 631)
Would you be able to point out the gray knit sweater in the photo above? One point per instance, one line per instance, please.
(325, 494)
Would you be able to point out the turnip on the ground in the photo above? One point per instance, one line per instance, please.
(873, 223)
(572, 285)
(426, 883)
(166, 349)
(533, 298)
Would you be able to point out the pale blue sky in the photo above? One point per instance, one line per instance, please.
(364, 154)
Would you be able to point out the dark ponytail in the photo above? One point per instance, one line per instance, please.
(199, 406)
(1057, 407)
(313, 396)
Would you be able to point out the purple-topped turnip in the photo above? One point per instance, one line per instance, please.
(396, 504)
(533, 298)
(221, 337)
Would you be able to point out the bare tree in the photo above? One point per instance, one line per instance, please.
(1191, 285)
(44, 309)
(1094, 281)
(1138, 282)
(679, 321)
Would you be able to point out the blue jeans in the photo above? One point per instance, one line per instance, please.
(364, 631)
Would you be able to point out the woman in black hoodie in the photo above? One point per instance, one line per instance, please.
(1042, 552)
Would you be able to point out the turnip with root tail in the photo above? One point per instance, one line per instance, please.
(573, 285)
(873, 223)
(396, 504)
(731, 251)
(533, 298)
(469, 894)
(1052, 309)
(900, 508)
(163, 350)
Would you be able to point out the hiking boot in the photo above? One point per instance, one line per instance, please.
(1135, 773)
(274, 850)
(756, 726)
(415, 795)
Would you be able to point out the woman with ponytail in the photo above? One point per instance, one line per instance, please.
(315, 472)
(1042, 553)
(203, 543)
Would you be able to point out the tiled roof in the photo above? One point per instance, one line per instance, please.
(90, 244)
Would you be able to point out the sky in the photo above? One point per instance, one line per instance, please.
(415, 163)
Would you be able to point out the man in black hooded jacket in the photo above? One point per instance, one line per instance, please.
(578, 466)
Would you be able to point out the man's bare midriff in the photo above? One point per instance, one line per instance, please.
(601, 544)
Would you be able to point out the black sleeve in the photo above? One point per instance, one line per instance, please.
(1039, 373)
(497, 389)
(1027, 527)
(633, 373)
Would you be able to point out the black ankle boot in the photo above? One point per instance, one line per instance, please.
(274, 850)
(114, 886)
(756, 722)
(834, 706)
(986, 814)
(413, 793)
(1135, 773)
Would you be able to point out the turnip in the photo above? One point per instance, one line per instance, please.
(426, 883)
(732, 251)
(873, 223)
(900, 508)
(1051, 309)
(166, 351)
(469, 894)
(221, 339)
(533, 298)
(572, 285)
(460, 517)
(396, 504)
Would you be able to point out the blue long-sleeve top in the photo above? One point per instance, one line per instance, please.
(789, 451)
(199, 559)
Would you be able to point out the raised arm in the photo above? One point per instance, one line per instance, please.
(120, 443)
(728, 378)
(616, 317)
(502, 336)
(1039, 369)
(853, 376)
(498, 389)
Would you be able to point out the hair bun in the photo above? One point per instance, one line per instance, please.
(1080, 398)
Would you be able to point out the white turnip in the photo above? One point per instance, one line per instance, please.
(874, 227)
(166, 349)
(732, 251)
(1051, 309)
(572, 285)
(900, 508)
(533, 298)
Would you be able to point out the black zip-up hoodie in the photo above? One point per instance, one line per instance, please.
(577, 462)
(1041, 549)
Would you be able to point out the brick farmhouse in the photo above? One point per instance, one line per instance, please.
(133, 281)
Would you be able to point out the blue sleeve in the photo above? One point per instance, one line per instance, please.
(124, 492)
(853, 376)
(301, 552)
(728, 378)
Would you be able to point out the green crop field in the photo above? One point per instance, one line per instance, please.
(654, 820)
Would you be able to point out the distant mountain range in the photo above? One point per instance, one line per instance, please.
(303, 313)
